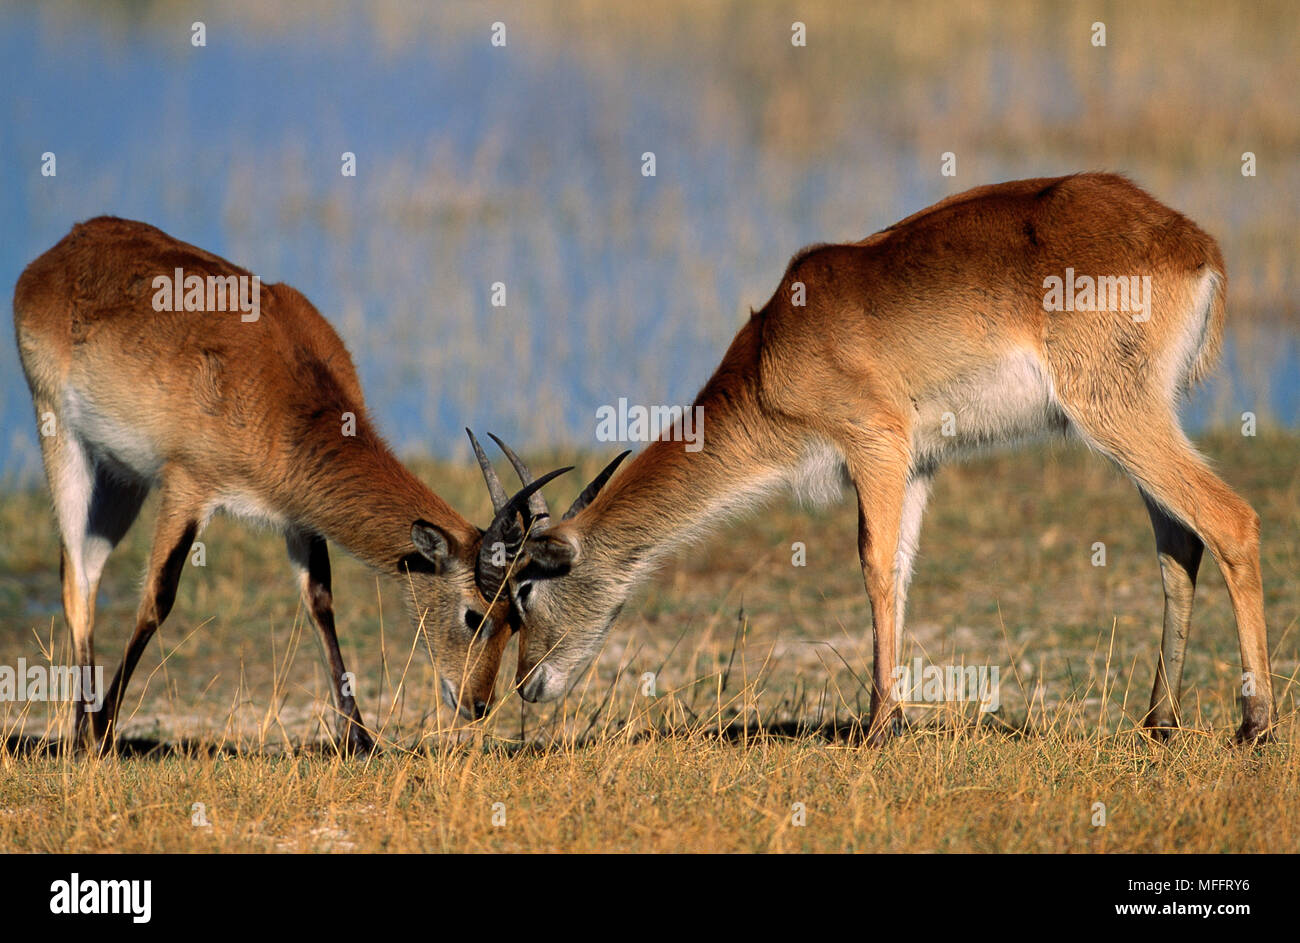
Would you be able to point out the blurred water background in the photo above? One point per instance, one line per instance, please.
(478, 164)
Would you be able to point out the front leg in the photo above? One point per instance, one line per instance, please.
(879, 474)
(310, 555)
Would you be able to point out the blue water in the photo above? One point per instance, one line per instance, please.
(474, 166)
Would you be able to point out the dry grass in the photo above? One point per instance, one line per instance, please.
(757, 702)
(948, 791)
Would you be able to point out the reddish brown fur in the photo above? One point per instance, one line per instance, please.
(244, 414)
(941, 314)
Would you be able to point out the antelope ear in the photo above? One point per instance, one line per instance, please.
(551, 554)
(433, 545)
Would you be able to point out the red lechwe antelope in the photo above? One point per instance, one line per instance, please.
(917, 345)
(260, 415)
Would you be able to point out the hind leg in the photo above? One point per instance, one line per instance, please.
(179, 514)
(94, 509)
(1151, 447)
(1180, 553)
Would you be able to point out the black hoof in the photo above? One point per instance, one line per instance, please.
(1160, 729)
(356, 742)
(887, 728)
(1251, 733)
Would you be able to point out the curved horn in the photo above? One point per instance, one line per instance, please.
(505, 530)
(590, 492)
(536, 501)
(498, 493)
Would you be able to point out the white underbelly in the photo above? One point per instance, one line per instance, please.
(1011, 401)
(247, 506)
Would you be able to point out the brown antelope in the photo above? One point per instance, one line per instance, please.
(255, 411)
(941, 335)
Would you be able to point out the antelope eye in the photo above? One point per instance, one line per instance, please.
(473, 620)
(523, 592)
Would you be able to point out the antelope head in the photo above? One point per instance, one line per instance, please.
(566, 590)
(466, 581)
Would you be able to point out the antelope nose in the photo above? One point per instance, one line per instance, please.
(475, 712)
(534, 687)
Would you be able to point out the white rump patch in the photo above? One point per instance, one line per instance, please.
(1191, 339)
(122, 442)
